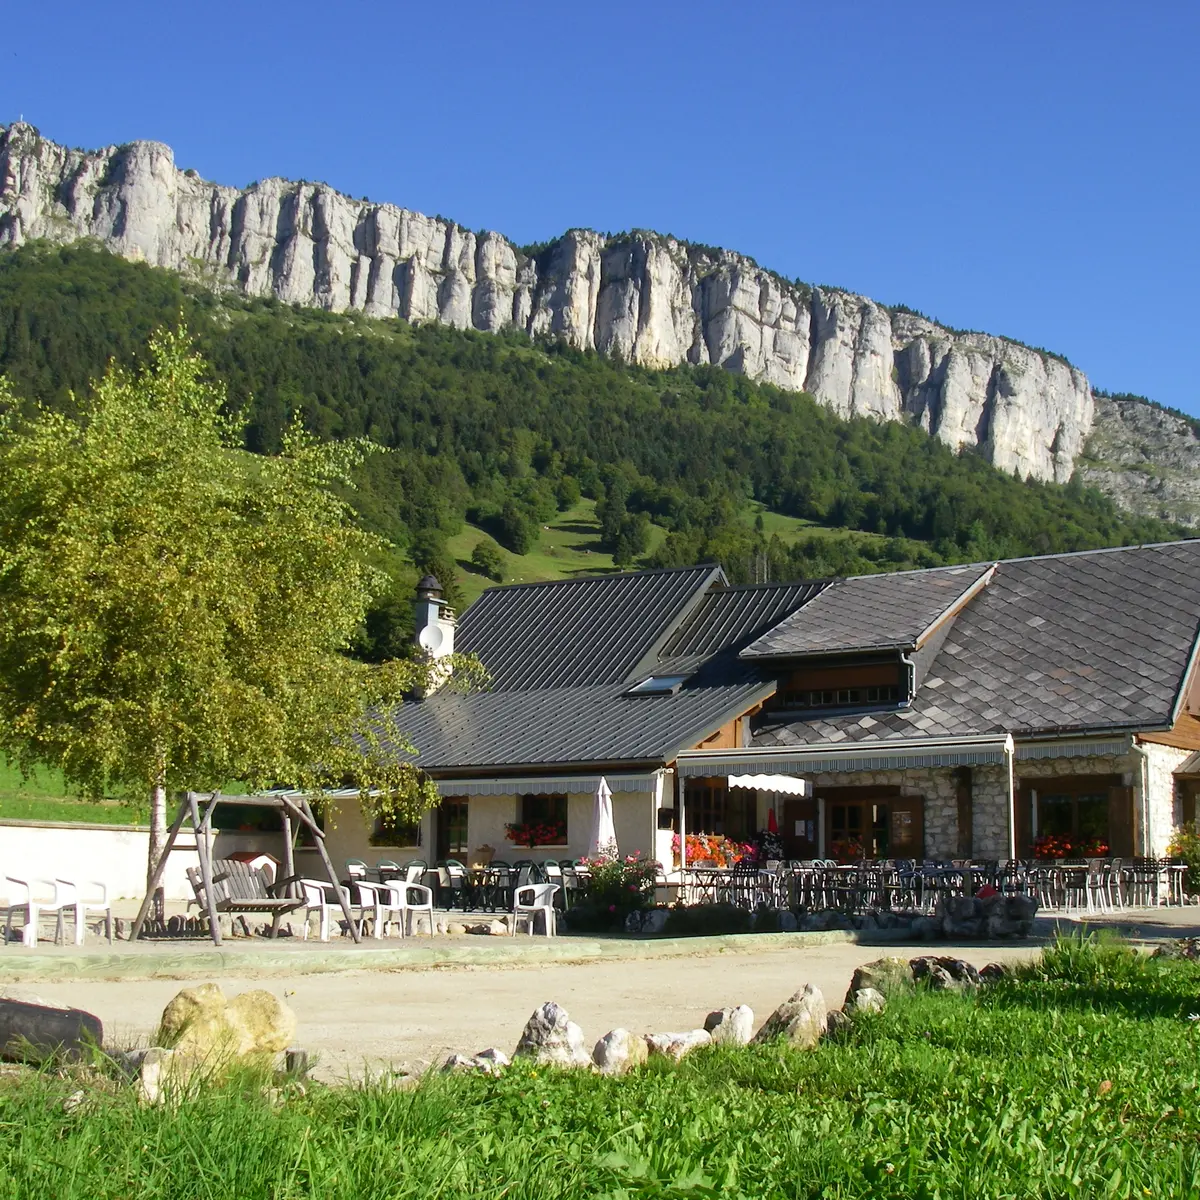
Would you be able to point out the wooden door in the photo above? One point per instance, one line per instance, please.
(798, 829)
(450, 821)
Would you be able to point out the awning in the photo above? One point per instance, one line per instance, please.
(545, 785)
(824, 758)
(788, 785)
(1077, 748)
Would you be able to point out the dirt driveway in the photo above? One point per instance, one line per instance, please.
(363, 1019)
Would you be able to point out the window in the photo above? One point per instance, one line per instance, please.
(550, 812)
(1078, 816)
(395, 830)
(450, 826)
(847, 697)
(713, 808)
(658, 685)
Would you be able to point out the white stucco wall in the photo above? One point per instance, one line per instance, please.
(111, 854)
(1162, 805)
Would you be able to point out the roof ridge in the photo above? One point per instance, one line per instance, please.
(1098, 550)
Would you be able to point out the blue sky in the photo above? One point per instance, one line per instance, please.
(1027, 169)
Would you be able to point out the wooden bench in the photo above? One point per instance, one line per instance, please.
(240, 888)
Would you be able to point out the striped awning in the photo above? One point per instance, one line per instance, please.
(829, 758)
(544, 785)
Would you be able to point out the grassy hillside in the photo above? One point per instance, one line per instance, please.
(44, 797)
(568, 459)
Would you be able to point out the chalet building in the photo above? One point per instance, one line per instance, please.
(957, 712)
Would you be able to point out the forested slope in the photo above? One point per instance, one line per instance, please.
(505, 433)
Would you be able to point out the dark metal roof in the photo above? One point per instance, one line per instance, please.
(1073, 642)
(575, 632)
(869, 612)
(728, 618)
(596, 724)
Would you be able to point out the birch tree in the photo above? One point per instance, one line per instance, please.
(174, 610)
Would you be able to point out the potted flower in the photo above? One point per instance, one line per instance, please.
(536, 833)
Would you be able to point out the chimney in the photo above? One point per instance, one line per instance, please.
(433, 628)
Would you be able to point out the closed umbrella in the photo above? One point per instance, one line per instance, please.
(604, 833)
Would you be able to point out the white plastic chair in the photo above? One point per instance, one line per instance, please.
(90, 896)
(532, 899)
(38, 896)
(316, 898)
(396, 901)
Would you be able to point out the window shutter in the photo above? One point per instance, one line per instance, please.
(1120, 822)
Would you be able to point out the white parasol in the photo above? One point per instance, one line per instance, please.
(604, 833)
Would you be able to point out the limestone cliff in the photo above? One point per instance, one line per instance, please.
(651, 299)
(1146, 458)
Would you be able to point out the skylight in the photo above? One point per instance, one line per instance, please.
(658, 685)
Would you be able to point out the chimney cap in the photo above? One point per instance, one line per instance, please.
(428, 587)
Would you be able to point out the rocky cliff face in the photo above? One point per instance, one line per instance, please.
(1145, 458)
(650, 299)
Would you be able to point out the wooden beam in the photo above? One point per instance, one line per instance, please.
(341, 894)
(206, 875)
(159, 868)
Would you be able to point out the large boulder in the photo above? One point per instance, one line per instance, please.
(551, 1038)
(618, 1051)
(885, 975)
(201, 1024)
(675, 1045)
(731, 1026)
(800, 1021)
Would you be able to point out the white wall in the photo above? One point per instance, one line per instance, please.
(112, 854)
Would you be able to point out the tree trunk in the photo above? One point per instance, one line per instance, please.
(158, 826)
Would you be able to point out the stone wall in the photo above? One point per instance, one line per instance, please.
(1163, 807)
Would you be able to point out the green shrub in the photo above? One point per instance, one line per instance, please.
(489, 560)
(1186, 846)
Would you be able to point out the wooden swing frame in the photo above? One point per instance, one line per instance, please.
(199, 807)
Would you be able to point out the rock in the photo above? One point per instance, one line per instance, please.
(837, 1026)
(676, 1045)
(74, 1101)
(618, 1051)
(926, 928)
(994, 972)
(645, 297)
(819, 922)
(945, 974)
(799, 1020)
(498, 928)
(265, 1024)
(486, 1062)
(650, 920)
(788, 922)
(164, 1073)
(865, 1000)
(456, 927)
(884, 975)
(552, 1038)
(200, 1023)
(731, 1026)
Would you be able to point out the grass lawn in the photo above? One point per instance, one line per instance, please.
(1080, 1079)
(44, 797)
(568, 546)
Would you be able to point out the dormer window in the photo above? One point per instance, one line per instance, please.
(849, 697)
(658, 685)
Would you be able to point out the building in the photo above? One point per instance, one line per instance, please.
(956, 712)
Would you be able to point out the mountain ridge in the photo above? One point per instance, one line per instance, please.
(646, 298)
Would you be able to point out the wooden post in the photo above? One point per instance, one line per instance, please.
(341, 895)
(289, 858)
(206, 875)
(159, 868)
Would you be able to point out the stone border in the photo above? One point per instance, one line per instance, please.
(259, 960)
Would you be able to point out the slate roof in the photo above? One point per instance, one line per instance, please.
(594, 724)
(1100, 640)
(577, 632)
(868, 612)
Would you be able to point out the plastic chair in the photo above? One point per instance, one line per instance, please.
(316, 896)
(532, 899)
(32, 906)
(402, 899)
(90, 896)
(414, 870)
